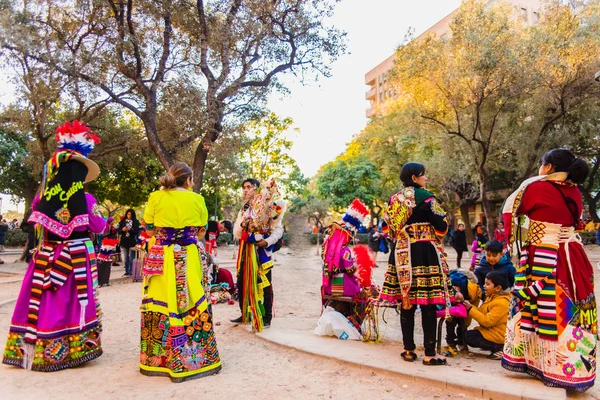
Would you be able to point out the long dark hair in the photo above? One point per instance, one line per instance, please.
(132, 211)
(563, 160)
(410, 169)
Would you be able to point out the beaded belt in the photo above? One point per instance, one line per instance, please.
(181, 236)
(154, 261)
(423, 232)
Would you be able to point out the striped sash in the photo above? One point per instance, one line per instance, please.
(51, 271)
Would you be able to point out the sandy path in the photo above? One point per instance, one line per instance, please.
(252, 368)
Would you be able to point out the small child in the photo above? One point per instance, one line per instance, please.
(495, 260)
(491, 316)
(466, 288)
(477, 248)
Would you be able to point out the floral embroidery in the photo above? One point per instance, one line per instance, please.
(569, 369)
(436, 208)
(577, 333)
(572, 345)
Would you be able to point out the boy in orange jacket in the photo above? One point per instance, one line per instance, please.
(491, 316)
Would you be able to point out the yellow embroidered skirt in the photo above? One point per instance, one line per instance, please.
(177, 336)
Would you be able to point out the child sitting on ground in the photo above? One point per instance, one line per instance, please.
(466, 288)
(491, 316)
(495, 259)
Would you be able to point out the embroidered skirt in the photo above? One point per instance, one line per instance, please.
(552, 335)
(66, 334)
(177, 336)
(429, 280)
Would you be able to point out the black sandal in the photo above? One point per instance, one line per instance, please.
(409, 356)
(435, 361)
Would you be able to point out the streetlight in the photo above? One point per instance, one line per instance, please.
(215, 179)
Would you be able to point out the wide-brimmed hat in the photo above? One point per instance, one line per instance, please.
(78, 140)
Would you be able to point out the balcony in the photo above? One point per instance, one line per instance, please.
(370, 112)
(371, 94)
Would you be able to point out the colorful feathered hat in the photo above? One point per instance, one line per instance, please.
(356, 214)
(78, 140)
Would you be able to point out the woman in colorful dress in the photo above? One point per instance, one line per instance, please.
(552, 327)
(177, 336)
(417, 273)
(56, 322)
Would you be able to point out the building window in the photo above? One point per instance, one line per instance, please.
(444, 36)
(524, 15)
(536, 17)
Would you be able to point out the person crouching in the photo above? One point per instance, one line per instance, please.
(491, 316)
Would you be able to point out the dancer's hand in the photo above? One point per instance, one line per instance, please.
(262, 243)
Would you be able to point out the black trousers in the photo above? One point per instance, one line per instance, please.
(459, 254)
(268, 304)
(454, 334)
(428, 322)
(474, 338)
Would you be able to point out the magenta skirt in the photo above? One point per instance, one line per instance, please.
(64, 339)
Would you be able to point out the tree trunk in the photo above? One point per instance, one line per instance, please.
(487, 208)
(464, 213)
(157, 146)
(199, 163)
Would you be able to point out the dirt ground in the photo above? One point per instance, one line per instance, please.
(252, 368)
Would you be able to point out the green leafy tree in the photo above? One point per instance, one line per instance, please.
(342, 181)
(267, 154)
(16, 177)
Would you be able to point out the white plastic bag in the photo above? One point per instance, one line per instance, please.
(332, 323)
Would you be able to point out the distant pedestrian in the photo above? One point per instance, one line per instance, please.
(459, 243)
(129, 228)
(3, 230)
(499, 233)
(28, 228)
(374, 237)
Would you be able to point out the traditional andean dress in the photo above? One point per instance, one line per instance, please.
(177, 336)
(417, 272)
(552, 327)
(56, 322)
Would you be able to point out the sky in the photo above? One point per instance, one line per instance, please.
(329, 112)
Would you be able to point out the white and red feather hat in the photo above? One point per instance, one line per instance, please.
(76, 138)
(356, 215)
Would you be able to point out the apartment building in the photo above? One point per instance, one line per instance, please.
(377, 78)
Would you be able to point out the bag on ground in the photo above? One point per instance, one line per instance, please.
(332, 323)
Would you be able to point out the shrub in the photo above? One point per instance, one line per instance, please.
(225, 238)
(588, 237)
(16, 238)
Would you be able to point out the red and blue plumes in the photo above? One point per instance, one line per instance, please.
(356, 214)
(76, 137)
(364, 265)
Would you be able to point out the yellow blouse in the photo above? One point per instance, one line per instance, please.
(176, 208)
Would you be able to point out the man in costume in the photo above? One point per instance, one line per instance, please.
(259, 228)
